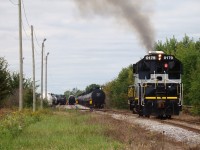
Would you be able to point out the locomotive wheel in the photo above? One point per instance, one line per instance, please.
(140, 113)
(168, 116)
(148, 116)
(134, 111)
(160, 116)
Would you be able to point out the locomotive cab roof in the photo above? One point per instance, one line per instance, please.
(156, 52)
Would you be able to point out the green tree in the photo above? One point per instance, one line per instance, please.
(5, 88)
(74, 91)
(9, 87)
(116, 90)
(193, 91)
(90, 87)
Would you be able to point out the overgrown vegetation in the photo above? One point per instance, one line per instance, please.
(61, 130)
(13, 123)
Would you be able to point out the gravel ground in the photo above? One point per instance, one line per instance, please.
(176, 133)
(67, 107)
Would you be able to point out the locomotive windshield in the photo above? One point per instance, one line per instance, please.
(154, 65)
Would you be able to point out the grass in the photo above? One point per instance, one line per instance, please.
(62, 131)
(76, 130)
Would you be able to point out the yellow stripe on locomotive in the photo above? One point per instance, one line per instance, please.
(159, 98)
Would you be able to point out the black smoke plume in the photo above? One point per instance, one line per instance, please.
(126, 11)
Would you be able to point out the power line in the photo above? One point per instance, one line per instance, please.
(30, 26)
(13, 2)
(36, 51)
(25, 14)
(28, 36)
(36, 39)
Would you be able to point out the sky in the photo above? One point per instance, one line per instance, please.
(86, 48)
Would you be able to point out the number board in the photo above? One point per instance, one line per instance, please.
(168, 57)
(155, 57)
(150, 57)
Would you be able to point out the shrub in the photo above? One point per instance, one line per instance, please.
(14, 123)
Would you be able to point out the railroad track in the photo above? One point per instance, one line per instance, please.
(122, 112)
(193, 125)
(195, 122)
(189, 125)
(185, 124)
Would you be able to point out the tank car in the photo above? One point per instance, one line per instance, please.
(157, 88)
(71, 100)
(93, 99)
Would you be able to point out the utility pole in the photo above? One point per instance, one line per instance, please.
(20, 59)
(41, 104)
(33, 59)
(46, 77)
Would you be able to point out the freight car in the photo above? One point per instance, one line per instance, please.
(157, 88)
(92, 99)
(71, 100)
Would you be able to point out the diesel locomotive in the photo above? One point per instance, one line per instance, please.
(92, 99)
(157, 88)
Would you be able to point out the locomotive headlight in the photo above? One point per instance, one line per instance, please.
(159, 57)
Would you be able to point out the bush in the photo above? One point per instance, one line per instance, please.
(13, 124)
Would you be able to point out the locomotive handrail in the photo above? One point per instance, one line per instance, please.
(138, 93)
(181, 94)
(165, 79)
(155, 78)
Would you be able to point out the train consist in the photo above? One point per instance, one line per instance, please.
(92, 99)
(157, 88)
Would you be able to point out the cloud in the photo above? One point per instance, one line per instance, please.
(176, 18)
(126, 12)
